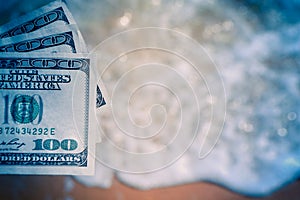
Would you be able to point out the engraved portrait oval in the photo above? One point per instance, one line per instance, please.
(24, 109)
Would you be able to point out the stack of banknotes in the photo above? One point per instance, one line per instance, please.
(49, 95)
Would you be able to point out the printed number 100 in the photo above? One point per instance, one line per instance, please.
(53, 144)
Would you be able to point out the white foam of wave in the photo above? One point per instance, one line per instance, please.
(258, 151)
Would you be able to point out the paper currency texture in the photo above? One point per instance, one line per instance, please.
(46, 116)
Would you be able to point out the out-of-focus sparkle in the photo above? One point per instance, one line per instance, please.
(291, 116)
(282, 132)
(247, 127)
(125, 19)
(226, 26)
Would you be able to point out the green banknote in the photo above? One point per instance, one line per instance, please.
(47, 114)
(47, 20)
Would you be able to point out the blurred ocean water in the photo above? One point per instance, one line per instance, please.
(255, 45)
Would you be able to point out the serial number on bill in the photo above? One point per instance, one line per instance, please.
(27, 131)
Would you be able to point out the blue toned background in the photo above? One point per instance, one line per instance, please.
(256, 46)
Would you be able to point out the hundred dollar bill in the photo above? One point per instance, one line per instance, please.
(64, 39)
(61, 42)
(51, 16)
(47, 114)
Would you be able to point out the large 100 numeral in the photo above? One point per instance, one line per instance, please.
(53, 144)
(23, 109)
